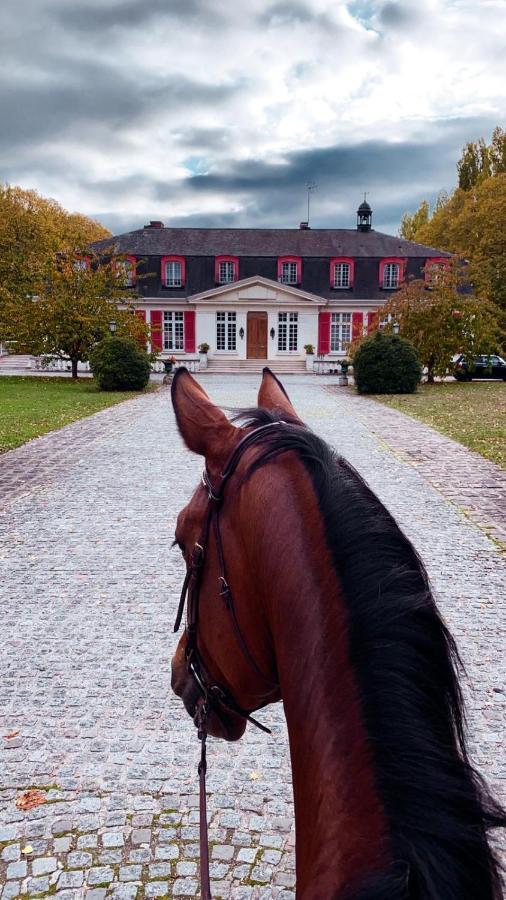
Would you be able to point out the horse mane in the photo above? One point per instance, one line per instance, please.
(405, 661)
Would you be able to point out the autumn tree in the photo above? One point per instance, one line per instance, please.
(471, 223)
(32, 230)
(441, 319)
(480, 160)
(69, 308)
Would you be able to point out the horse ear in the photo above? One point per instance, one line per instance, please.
(273, 396)
(204, 428)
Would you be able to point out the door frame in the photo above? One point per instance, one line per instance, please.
(261, 316)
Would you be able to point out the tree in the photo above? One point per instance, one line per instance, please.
(474, 164)
(68, 309)
(442, 320)
(32, 230)
(412, 222)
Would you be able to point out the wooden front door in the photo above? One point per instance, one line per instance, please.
(257, 335)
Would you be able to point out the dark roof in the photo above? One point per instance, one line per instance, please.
(275, 242)
(364, 207)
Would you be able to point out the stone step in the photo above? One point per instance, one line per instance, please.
(15, 361)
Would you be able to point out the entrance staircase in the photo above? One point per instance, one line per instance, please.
(217, 366)
(13, 361)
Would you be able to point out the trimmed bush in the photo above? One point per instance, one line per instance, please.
(386, 364)
(120, 364)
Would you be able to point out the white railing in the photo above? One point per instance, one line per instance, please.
(53, 364)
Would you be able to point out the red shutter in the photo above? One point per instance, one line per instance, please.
(372, 323)
(357, 327)
(141, 314)
(156, 329)
(323, 333)
(189, 331)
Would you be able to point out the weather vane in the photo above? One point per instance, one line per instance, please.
(310, 187)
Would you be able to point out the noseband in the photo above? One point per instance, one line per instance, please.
(213, 695)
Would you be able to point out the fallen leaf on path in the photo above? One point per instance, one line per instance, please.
(27, 849)
(12, 734)
(253, 776)
(30, 799)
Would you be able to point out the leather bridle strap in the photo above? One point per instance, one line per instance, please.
(212, 693)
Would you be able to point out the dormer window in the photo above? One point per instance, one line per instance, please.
(289, 269)
(81, 264)
(391, 273)
(173, 271)
(434, 268)
(126, 270)
(226, 269)
(342, 270)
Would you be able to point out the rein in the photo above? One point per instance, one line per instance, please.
(213, 695)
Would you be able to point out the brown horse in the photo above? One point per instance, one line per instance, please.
(332, 613)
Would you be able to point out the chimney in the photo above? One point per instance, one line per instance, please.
(154, 225)
(304, 226)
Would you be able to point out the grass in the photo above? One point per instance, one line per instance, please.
(473, 414)
(31, 406)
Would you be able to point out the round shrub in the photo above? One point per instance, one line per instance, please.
(120, 364)
(386, 364)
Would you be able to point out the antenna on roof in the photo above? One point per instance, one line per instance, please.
(310, 187)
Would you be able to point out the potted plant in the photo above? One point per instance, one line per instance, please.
(343, 378)
(203, 351)
(309, 348)
(169, 364)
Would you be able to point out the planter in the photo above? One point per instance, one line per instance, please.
(203, 360)
(309, 361)
(343, 380)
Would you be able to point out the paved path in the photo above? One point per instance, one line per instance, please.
(88, 589)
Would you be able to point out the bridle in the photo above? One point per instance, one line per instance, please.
(212, 694)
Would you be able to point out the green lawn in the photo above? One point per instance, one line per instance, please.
(31, 406)
(473, 414)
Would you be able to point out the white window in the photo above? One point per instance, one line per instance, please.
(79, 265)
(342, 275)
(391, 275)
(226, 328)
(340, 332)
(173, 331)
(288, 328)
(173, 274)
(289, 272)
(227, 272)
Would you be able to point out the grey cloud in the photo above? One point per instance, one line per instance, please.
(289, 12)
(84, 95)
(398, 15)
(207, 138)
(129, 14)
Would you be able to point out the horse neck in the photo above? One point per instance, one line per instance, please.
(340, 822)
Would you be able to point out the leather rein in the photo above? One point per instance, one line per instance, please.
(213, 695)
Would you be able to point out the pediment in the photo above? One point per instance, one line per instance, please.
(257, 290)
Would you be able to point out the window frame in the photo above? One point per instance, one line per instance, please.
(229, 319)
(282, 260)
(226, 259)
(335, 262)
(163, 273)
(340, 324)
(167, 331)
(288, 327)
(389, 260)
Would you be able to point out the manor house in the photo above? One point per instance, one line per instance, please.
(258, 295)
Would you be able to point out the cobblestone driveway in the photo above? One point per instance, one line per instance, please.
(88, 591)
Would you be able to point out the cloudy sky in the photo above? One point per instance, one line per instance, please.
(219, 112)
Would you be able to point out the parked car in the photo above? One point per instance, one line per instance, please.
(492, 366)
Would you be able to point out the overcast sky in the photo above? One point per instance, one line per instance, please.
(218, 112)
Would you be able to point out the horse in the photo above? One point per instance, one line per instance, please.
(310, 593)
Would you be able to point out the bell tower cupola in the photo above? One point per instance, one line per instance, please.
(364, 216)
